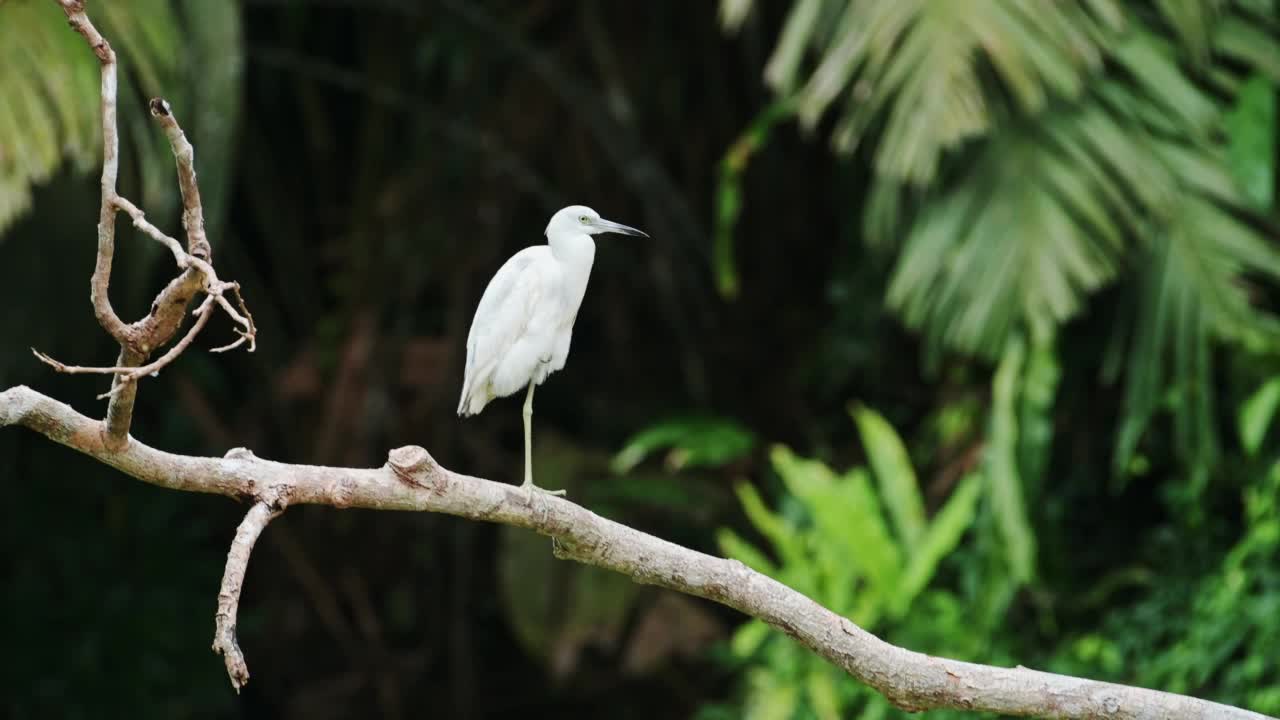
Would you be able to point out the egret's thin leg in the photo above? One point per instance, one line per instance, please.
(528, 435)
(528, 444)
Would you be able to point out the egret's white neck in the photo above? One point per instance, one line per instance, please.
(572, 248)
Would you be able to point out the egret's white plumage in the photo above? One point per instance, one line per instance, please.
(523, 325)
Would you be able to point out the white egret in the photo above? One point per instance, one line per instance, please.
(521, 330)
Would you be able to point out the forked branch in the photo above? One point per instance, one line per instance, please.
(110, 170)
(195, 264)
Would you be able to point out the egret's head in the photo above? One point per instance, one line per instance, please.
(582, 220)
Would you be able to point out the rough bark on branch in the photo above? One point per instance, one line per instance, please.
(102, 309)
(412, 480)
(225, 642)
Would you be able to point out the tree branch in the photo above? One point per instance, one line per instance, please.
(140, 339)
(412, 480)
(102, 309)
(224, 635)
(184, 157)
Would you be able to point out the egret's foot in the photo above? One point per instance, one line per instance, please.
(528, 485)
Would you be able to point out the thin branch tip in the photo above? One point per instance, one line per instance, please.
(225, 641)
(233, 656)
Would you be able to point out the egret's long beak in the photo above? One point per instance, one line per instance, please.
(613, 227)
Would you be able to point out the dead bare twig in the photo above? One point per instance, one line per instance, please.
(225, 642)
(195, 264)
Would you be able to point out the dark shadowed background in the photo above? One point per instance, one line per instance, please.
(956, 316)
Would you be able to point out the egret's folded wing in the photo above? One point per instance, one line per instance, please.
(503, 315)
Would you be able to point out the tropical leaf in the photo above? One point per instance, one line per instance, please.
(1080, 141)
(1193, 23)
(690, 442)
(823, 696)
(1251, 149)
(944, 534)
(834, 544)
(1189, 297)
(1250, 40)
(920, 66)
(895, 476)
(50, 85)
(748, 638)
(1256, 414)
(732, 545)
(1003, 482)
(789, 547)
(1037, 393)
(1037, 227)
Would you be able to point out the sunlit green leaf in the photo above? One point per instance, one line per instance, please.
(772, 700)
(780, 73)
(733, 13)
(1036, 401)
(691, 442)
(944, 533)
(1251, 130)
(735, 547)
(51, 112)
(1247, 41)
(893, 471)
(748, 638)
(1001, 468)
(770, 525)
(1256, 415)
(847, 514)
(822, 693)
(857, 518)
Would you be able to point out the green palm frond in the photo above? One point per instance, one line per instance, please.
(49, 108)
(1052, 210)
(1081, 142)
(1190, 296)
(1192, 22)
(50, 86)
(1036, 225)
(922, 65)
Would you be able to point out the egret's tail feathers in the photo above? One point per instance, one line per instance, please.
(473, 400)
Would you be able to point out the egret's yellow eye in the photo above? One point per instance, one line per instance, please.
(584, 219)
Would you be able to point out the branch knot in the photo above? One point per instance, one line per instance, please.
(159, 107)
(240, 453)
(414, 465)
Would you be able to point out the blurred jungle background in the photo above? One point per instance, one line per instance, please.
(959, 316)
